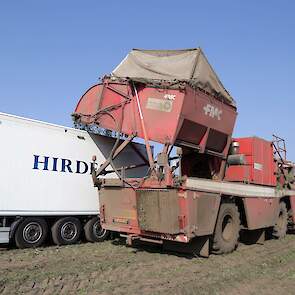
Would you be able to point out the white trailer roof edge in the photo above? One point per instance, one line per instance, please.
(41, 122)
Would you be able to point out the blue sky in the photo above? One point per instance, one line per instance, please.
(52, 51)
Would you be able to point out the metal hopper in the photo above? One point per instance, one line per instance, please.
(171, 97)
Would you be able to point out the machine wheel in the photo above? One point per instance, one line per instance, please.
(66, 231)
(31, 233)
(281, 225)
(94, 232)
(227, 229)
(291, 225)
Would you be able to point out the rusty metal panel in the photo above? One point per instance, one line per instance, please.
(202, 212)
(261, 212)
(158, 211)
(118, 209)
(208, 205)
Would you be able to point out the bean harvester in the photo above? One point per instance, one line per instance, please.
(203, 186)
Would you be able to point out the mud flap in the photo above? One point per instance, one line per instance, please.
(14, 226)
(198, 246)
(4, 235)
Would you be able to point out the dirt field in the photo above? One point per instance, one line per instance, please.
(113, 268)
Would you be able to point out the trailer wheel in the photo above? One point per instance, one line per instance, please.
(66, 231)
(281, 226)
(94, 232)
(227, 229)
(31, 233)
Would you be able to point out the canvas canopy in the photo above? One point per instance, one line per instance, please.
(187, 65)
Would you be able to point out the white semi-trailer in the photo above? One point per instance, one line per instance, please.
(46, 189)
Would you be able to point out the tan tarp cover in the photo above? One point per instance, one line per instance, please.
(188, 65)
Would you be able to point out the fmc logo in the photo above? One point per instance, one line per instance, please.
(170, 96)
(212, 111)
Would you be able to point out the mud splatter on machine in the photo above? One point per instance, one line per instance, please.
(200, 194)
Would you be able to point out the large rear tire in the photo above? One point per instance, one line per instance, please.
(281, 226)
(66, 231)
(226, 235)
(31, 233)
(94, 232)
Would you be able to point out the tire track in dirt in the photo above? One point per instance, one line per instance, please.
(116, 269)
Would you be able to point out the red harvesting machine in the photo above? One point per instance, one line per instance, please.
(203, 187)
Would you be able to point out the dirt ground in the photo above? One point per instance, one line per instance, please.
(113, 268)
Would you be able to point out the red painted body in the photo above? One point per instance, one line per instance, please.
(260, 167)
(183, 115)
(202, 126)
(120, 210)
(261, 212)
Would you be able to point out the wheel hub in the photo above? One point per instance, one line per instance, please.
(32, 232)
(68, 231)
(98, 230)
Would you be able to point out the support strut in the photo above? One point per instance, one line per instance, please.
(146, 140)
